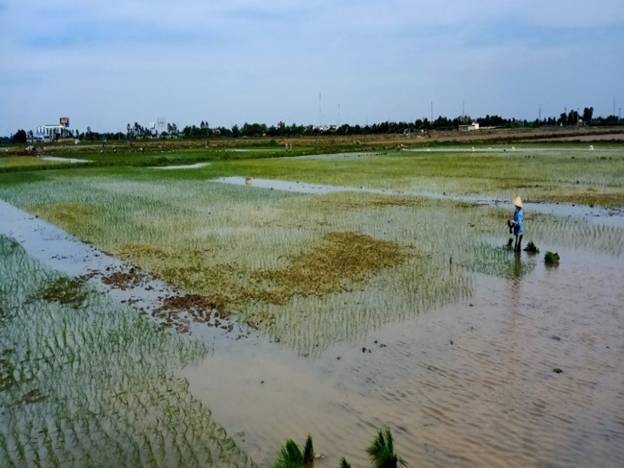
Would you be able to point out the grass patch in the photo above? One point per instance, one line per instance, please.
(341, 259)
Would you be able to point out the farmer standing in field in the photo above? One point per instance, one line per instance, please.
(518, 223)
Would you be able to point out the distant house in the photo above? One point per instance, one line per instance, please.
(469, 127)
(53, 132)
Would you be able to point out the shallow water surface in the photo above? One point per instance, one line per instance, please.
(470, 384)
(593, 214)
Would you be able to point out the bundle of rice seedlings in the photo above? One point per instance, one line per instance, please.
(551, 258)
(531, 248)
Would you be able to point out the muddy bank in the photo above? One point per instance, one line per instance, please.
(609, 217)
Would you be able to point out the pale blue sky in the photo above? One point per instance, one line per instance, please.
(105, 63)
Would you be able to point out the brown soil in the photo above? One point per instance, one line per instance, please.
(342, 259)
(124, 279)
(193, 302)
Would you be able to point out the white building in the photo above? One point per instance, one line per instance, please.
(469, 127)
(53, 132)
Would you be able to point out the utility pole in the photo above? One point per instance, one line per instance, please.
(463, 109)
(539, 112)
(614, 105)
(320, 109)
(431, 112)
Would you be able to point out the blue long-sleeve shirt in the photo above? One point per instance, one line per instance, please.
(519, 222)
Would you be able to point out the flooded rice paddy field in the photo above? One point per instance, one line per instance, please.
(362, 309)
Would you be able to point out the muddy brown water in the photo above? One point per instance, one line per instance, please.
(468, 384)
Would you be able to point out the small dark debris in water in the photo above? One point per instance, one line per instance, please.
(608, 347)
(262, 381)
(276, 339)
(338, 358)
(531, 248)
(451, 342)
(471, 305)
(557, 370)
(556, 338)
(363, 350)
(551, 258)
(382, 345)
(375, 341)
(34, 396)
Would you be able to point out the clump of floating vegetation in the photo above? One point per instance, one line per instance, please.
(551, 258)
(531, 248)
(66, 291)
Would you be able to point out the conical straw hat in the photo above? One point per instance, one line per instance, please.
(517, 201)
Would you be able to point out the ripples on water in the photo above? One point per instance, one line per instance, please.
(471, 383)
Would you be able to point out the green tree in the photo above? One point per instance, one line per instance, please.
(19, 137)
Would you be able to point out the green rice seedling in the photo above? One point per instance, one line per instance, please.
(91, 388)
(308, 453)
(531, 248)
(498, 261)
(291, 456)
(381, 451)
(551, 258)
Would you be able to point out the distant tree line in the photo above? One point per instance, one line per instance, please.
(281, 129)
